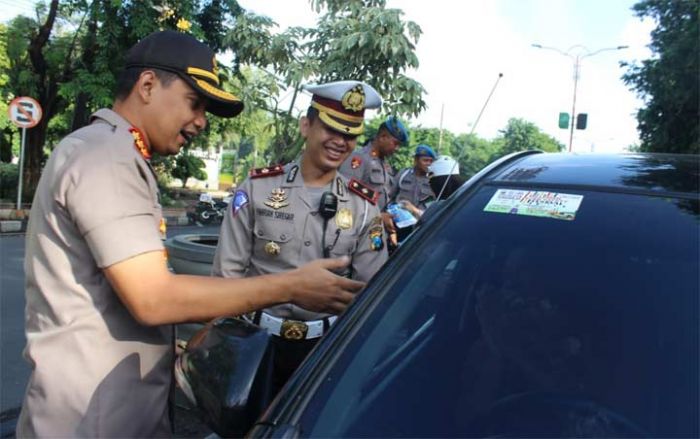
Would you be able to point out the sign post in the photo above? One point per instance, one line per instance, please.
(24, 112)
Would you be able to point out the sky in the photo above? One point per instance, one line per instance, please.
(466, 44)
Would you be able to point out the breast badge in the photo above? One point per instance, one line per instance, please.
(343, 219)
(272, 248)
(277, 199)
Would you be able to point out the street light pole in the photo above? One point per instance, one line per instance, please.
(583, 52)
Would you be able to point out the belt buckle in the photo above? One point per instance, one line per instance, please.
(294, 330)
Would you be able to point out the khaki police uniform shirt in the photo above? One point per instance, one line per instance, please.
(414, 188)
(365, 165)
(290, 222)
(97, 372)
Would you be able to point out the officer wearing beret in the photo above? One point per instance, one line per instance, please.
(284, 216)
(413, 184)
(98, 290)
(370, 164)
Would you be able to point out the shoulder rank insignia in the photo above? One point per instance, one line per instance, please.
(364, 191)
(355, 162)
(266, 172)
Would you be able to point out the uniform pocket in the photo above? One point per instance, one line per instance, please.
(376, 176)
(345, 245)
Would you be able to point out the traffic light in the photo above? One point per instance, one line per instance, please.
(564, 120)
(581, 121)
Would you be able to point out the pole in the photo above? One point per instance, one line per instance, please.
(442, 112)
(573, 105)
(21, 170)
(577, 67)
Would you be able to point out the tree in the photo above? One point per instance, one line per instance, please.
(359, 39)
(521, 135)
(668, 82)
(187, 166)
(69, 55)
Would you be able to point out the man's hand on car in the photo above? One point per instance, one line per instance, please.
(316, 288)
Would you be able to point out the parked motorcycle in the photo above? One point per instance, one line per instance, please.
(208, 210)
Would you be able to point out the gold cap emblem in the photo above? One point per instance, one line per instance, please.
(354, 99)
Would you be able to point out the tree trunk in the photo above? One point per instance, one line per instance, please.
(6, 144)
(81, 112)
(47, 91)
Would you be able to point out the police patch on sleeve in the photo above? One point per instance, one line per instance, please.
(376, 230)
(240, 199)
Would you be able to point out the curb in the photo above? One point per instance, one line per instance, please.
(11, 226)
(180, 220)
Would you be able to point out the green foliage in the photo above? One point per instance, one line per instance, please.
(668, 82)
(163, 167)
(9, 177)
(187, 166)
(358, 39)
(521, 135)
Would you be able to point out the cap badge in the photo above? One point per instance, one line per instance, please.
(354, 99)
(277, 199)
(272, 248)
(343, 219)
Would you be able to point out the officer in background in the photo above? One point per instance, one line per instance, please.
(370, 165)
(413, 191)
(282, 217)
(413, 184)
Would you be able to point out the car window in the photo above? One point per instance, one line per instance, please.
(504, 325)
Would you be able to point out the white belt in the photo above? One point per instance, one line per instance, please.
(292, 329)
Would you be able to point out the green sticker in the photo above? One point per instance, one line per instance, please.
(535, 203)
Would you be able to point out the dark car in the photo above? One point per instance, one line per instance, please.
(553, 295)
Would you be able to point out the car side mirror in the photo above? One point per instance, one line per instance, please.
(226, 372)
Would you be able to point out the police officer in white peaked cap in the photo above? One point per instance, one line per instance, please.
(284, 216)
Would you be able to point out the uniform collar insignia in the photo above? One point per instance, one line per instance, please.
(340, 187)
(292, 175)
(277, 199)
(140, 143)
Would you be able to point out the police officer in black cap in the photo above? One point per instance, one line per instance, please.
(99, 293)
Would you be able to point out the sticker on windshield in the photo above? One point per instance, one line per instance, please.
(535, 203)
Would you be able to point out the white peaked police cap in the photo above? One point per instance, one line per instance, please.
(341, 104)
(444, 165)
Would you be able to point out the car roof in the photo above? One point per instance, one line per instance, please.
(672, 174)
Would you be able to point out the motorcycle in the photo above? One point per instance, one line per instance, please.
(208, 210)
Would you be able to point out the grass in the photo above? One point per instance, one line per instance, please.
(225, 178)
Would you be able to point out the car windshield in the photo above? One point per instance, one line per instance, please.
(506, 325)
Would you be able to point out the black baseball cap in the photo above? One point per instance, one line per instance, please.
(191, 60)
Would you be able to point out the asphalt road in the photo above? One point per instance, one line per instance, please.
(14, 370)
